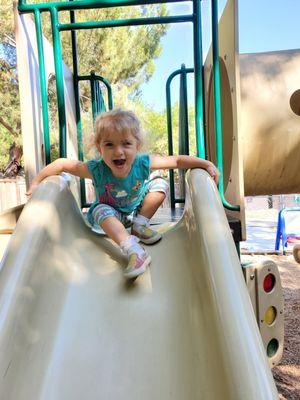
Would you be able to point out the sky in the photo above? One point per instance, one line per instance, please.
(264, 25)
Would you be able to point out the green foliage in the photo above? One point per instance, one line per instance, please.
(5, 142)
(122, 55)
(154, 125)
(155, 128)
(9, 100)
(7, 22)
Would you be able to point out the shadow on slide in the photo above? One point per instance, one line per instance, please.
(72, 328)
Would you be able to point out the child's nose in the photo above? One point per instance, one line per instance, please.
(118, 150)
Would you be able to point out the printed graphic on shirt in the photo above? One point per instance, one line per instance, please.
(107, 198)
(122, 193)
(137, 185)
(119, 198)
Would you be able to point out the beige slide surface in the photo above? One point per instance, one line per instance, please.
(71, 327)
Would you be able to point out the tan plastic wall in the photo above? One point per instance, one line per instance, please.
(260, 115)
(270, 90)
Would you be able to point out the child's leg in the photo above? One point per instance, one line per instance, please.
(151, 203)
(114, 229)
(158, 188)
(109, 220)
(138, 259)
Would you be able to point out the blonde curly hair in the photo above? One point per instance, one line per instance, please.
(120, 121)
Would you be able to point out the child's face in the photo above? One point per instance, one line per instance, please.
(118, 152)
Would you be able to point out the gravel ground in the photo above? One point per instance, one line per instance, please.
(287, 373)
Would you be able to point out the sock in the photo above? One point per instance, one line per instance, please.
(131, 245)
(141, 220)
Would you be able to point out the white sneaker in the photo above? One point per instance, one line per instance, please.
(138, 259)
(145, 234)
(137, 265)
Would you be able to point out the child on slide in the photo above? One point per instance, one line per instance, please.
(122, 184)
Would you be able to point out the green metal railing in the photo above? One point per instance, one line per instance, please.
(183, 127)
(181, 71)
(98, 106)
(184, 145)
(125, 22)
(195, 18)
(77, 106)
(184, 133)
(97, 78)
(198, 78)
(26, 7)
(54, 8)
(59, 78)
(43, 85)
(217, 105)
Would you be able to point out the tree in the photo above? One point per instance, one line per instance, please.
(123, 55)
(9, 99)
(154, 125)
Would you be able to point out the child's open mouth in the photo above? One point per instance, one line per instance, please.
(119, 162)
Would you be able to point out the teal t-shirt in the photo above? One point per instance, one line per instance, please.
(123, 194)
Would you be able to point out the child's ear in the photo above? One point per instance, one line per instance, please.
(98, 147)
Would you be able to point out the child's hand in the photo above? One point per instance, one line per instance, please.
(213, 172)
(31, 189)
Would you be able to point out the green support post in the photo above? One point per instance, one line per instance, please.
(183, 126)
(59, 84)
(198, 62)
(183, 114)
(106, 83)
(217, 104)
(170, 137)
(77, 106)
(170, 131)
(93, 96)
(43, 85)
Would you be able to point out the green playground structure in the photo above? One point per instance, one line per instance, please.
(193, 326)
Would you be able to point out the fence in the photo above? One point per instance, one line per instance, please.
(272, 202)
(12, 193)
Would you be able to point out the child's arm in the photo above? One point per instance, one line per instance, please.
(184, 162)
(58, 166)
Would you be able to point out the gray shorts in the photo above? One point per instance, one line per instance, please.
(103, 211)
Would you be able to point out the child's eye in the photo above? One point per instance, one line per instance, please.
(108, 144)
(127, 143)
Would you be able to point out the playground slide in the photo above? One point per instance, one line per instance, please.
(72, 328)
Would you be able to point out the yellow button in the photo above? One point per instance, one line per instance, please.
(270, 315)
